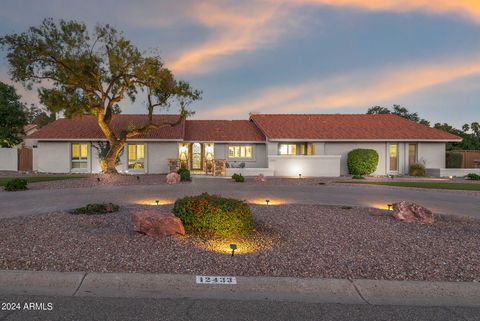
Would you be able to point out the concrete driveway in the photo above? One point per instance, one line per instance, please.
(43, 201)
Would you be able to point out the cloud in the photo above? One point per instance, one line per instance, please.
(362, 88)
(256, 24)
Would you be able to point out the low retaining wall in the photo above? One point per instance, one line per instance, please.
(315, 166)
(249, 171)
(8, 159)
(455, 172)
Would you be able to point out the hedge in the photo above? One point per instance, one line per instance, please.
(454, 160)
(362, 161)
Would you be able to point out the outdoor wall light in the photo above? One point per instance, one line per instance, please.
(267, 201)
(233, 247)
(157, 201)
(390, 206)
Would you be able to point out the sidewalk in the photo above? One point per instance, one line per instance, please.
(139, 285)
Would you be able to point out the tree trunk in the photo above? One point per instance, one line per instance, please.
(109, 163)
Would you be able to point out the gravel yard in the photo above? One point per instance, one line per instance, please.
(292, 240)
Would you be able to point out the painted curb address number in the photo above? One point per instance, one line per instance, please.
(201, 279)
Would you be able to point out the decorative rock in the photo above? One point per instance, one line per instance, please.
(157, 223)
(260, 178)
(173, 178)
(411, 212)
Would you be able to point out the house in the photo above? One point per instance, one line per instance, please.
(272, 144)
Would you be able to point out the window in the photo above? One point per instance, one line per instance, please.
(288, 149)
(240, 151)
(296, 149)
(393, 157)
(136, 156)
(412, 154)
(79, 156)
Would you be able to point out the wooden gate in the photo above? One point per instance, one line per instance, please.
(25, 159)
(471, 158)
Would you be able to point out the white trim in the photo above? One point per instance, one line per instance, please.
(104, 139)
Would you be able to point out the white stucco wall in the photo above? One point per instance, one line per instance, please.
(432, 155)
(8, 159)
(53, 157)
(343, 149)
(158, 154)
(316, 165)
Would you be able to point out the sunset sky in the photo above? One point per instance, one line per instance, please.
(287, 56)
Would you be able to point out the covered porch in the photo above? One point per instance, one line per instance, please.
(199, 158)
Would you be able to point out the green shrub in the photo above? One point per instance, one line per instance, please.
(417, 170)
(358, 177)
(97, 208)
(214, 215)
(16, 184)
(238, 178)
(362, 161)
(454, 160)
(184, 174)
(473, 176)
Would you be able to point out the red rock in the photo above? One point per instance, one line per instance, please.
(157, 223)
(260, 178)
(411, 212)
(173, 178)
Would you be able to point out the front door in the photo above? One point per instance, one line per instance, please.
(197, 156)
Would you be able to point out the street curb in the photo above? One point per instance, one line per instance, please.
(314, 290)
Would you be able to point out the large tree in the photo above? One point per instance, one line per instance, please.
(82, 72)
(400, 111)
(12, 117)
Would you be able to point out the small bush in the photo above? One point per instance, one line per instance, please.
(362, 161)
(238, 178)
(454, 160)
(473, 176)
(358, 177)
(417, 170)
(213, 215)
(184, 174)
(16, 184)
(97, 208)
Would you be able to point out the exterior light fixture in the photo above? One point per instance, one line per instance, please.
(451, 177)
(390, 206)
(299, 175)
(157, 201)
(138, 178)
(267, 201)
(233, 247)
(98, 179)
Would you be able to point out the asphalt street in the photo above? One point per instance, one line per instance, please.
(85, 308)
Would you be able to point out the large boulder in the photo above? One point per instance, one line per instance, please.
(411, 212)
(157, 223)
(173, 178)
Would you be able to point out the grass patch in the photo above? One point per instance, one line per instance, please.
(37, 179)
(435, 185)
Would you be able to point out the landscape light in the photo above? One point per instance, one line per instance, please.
(451, 177)
(299, 175)
(98, 179)
(390, 206)
(138, 178)
(267, 201)
(157, 201)
(233, 247)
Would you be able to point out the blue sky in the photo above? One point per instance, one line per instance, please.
(305, 56)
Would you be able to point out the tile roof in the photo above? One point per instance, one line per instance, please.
(345, 127)
(222, 130)
(86, 127)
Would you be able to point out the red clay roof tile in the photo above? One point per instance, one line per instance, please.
(346, 127)
(222, 130)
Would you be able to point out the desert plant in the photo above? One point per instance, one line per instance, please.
(473, 176)
(184, 174)
(453, 160)
(97, 208)
(214, 215)
(362, 161)
(417, 170)
(238, 178)
(16, 184)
